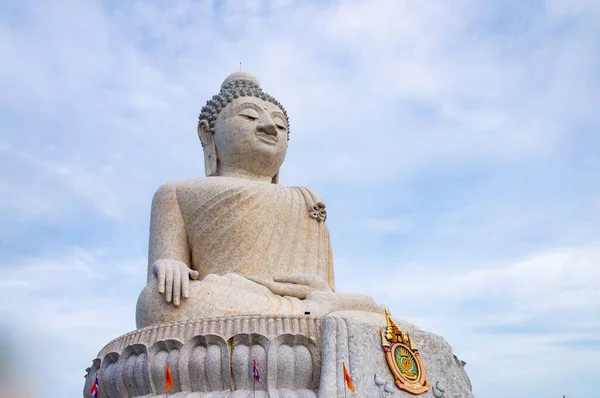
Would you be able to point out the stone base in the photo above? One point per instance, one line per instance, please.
(297, 356)
(353, 338)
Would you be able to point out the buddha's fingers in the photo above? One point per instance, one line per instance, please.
(288, 289)
(160, 270)
(298, 291)
(283, 289)
(313, 281)
(169, 284)
(263, 282)
(185, 281)
(176, 284)
(185, 284)
(296, 279)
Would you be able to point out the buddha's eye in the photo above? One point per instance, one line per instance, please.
(249, 114)
(281, 125)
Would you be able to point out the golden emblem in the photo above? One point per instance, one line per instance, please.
(403, 358)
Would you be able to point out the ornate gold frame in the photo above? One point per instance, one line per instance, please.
(410, 374)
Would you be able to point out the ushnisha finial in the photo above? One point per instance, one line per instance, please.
(241, 76)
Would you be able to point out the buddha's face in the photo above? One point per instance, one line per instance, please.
(250, 134)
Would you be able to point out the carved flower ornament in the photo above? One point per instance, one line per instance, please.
(318, 212)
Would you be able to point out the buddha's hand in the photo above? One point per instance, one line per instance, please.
(173, 279)
(295, 285)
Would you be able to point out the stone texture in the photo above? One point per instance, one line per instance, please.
(236, 232)
(214, 357)
(224, 327)
(298, 356)
(240, 268)
(353, 337)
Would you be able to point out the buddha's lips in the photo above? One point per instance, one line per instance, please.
(270, 138)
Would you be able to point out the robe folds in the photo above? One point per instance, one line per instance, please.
(234, 232)
(254, 229)
(229, 230)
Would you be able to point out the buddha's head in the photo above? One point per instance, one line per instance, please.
(243, 130)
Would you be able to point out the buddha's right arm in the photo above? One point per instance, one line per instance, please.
(168, 238)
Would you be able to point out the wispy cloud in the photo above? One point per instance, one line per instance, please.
(454, 143)
(61, 308)
(543, 306)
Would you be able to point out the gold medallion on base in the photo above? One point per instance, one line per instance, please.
(404, 359)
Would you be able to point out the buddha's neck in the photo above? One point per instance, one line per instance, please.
(243, 174)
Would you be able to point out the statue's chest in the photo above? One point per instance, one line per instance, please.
(266, 229)
(230, 209)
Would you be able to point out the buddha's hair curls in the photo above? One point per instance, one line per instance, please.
(231, 90)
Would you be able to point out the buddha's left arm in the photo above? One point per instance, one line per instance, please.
(168, 237)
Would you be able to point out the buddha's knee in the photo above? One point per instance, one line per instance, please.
(151, 308)
(204, 300)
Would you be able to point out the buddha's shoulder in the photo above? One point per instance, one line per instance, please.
(309, 194)
(213, 185)
(206, 184)
(194, 184)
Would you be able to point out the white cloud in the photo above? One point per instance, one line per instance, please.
(60, 309)
(451, 138)
(483, 102)
(546, 281)
(388, 224)
(543, 306)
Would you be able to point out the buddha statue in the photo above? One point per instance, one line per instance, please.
(236, 241)
(240, 279)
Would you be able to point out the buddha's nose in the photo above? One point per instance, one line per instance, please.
(267, 125)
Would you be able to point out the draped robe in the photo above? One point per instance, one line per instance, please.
(254, 229)
(230, 229)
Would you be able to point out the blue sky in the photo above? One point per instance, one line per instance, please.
(455, 143)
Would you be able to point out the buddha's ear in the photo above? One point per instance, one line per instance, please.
(210, 151)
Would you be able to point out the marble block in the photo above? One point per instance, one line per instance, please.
(297, 356)
(213, 358)
(353, 338)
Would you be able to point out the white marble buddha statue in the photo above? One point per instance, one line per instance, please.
(240, 269)
(237, 242)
